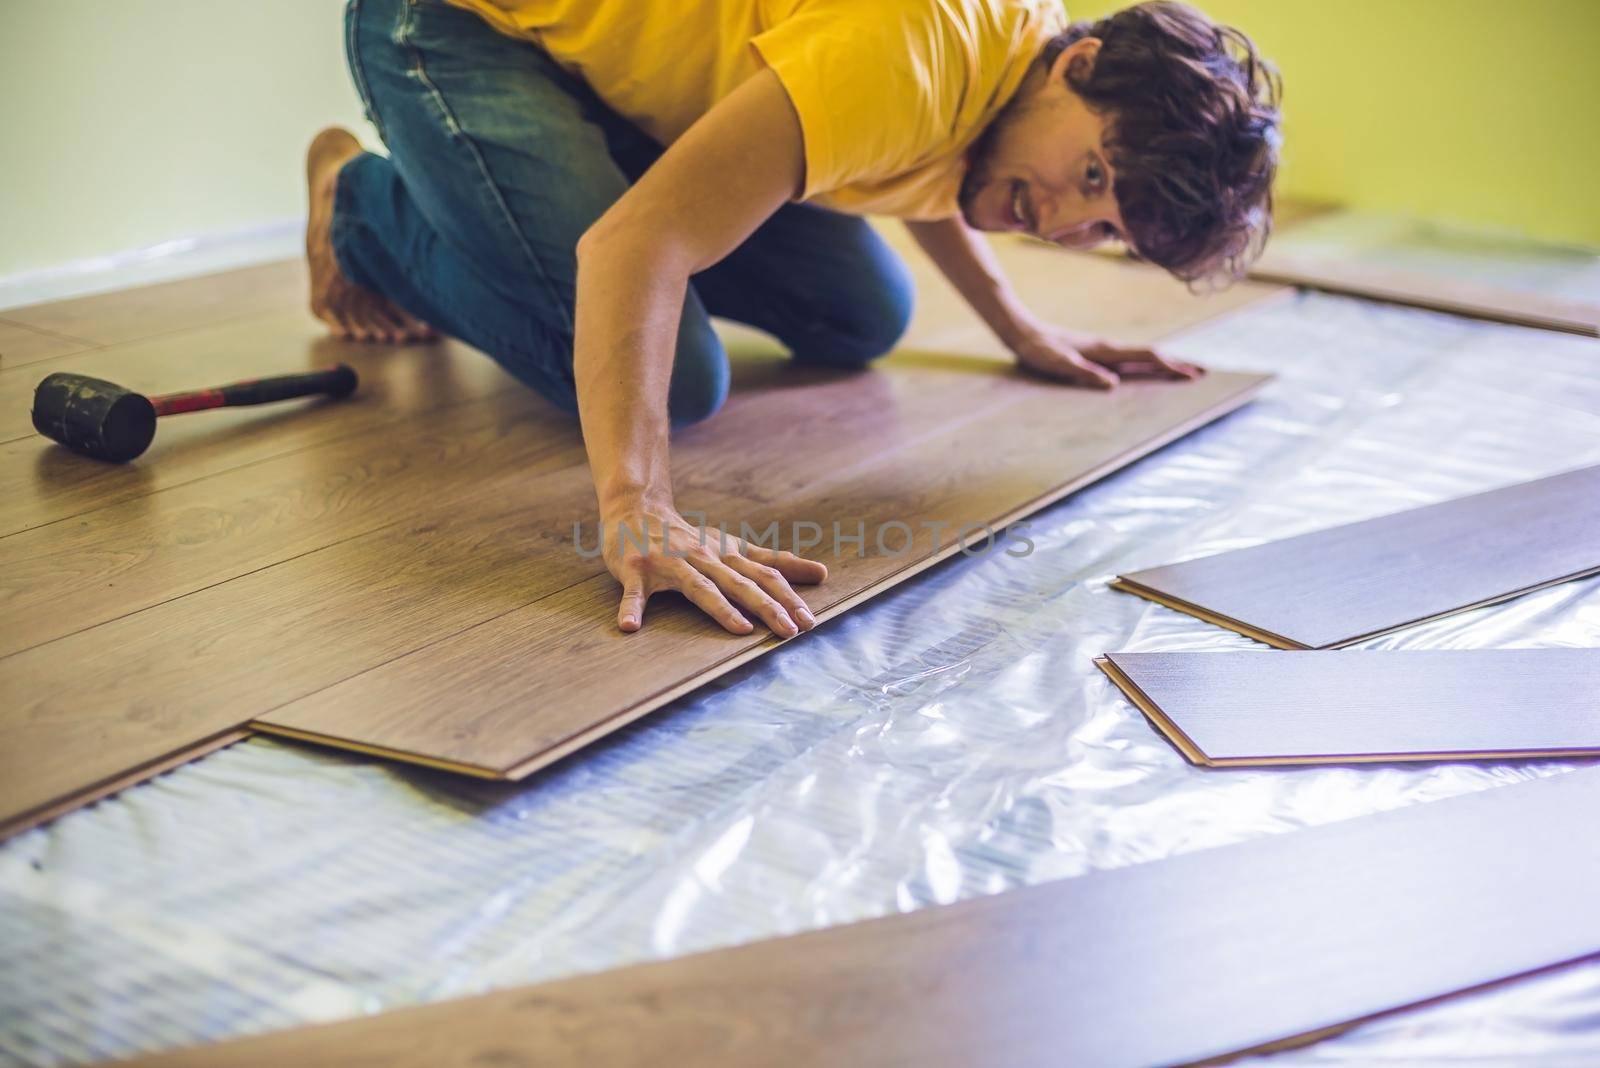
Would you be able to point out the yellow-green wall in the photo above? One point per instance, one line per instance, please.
(1469, 111)
(131, 122)
(126, 123)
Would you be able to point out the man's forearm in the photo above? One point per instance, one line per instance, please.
(965, 258)
(628, 305)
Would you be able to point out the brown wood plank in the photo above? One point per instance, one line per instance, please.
(1400, 285)
(93, 792)
(226, 592)
(1197, 957)
(495, 700)
(1287, 214)
(1458, 296)
(1333, 587)
(130, 691)
(43, 482)
(1227, 709)
(354, 604)
(125, 557)
(20, 345)
(165, 307)
(1094, 294)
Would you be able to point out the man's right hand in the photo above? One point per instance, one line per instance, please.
(720, 575)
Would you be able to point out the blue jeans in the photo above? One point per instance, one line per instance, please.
(499, 160)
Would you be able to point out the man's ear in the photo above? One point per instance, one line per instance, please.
(1077, 59)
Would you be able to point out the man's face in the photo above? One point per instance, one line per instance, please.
(1041, 168)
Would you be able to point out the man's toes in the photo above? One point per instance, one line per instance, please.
(335, 325)
(415, 329)
(391, 329)
(406, 320)
(403, 325)
(356, 326)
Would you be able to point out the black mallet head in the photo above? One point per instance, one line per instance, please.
(93, 416)
(106, 421)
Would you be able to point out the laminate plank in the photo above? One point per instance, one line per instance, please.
(134, 689)
(19, 345)
(165, 307)
(505, 698)
(1333, 587)
(1287, 214)
(1354, 272)
(1194, 958)
(125, 557)
(1458, 296)
(130, 691)
(92, 792)
(1228, 709)
(322, 591)
(1117, 298)
(44, 482)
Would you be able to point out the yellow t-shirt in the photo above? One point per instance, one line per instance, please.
(890, 93)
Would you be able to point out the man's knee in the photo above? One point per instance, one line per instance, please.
(869, 325)
(886, 316)
(699, 373)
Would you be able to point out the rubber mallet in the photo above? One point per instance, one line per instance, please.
(106, 421)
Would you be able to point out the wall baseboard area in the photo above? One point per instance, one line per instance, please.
(181, 257)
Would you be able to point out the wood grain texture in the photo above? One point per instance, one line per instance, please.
(20, 345)
(401, 388)
(496, 700)
(1224, 709)
(1396, 285)
(127, 692)
(1401, 285)
(1291, 212)
(1196, 957)
(1337, 586)
(257, 557)
(124, 557)
(88, 795)
(170, 307)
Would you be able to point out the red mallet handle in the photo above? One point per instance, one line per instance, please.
(337, 381)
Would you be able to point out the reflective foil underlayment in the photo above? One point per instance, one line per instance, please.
(948, 739)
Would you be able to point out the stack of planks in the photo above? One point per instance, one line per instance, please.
(1335, 587)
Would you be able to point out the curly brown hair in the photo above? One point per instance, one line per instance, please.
(1192, 131)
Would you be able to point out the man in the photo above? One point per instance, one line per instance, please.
(574, 186)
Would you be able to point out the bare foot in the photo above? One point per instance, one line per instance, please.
(351, 312)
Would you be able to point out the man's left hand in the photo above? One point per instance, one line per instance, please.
(1084, 360)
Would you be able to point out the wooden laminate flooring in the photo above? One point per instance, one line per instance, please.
(271, 561)
(1337, 586)
(1376, 258)
(1359, 271)
(1229, 709)
(1394, 285)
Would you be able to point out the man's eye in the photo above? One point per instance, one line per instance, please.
(1094, 174)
